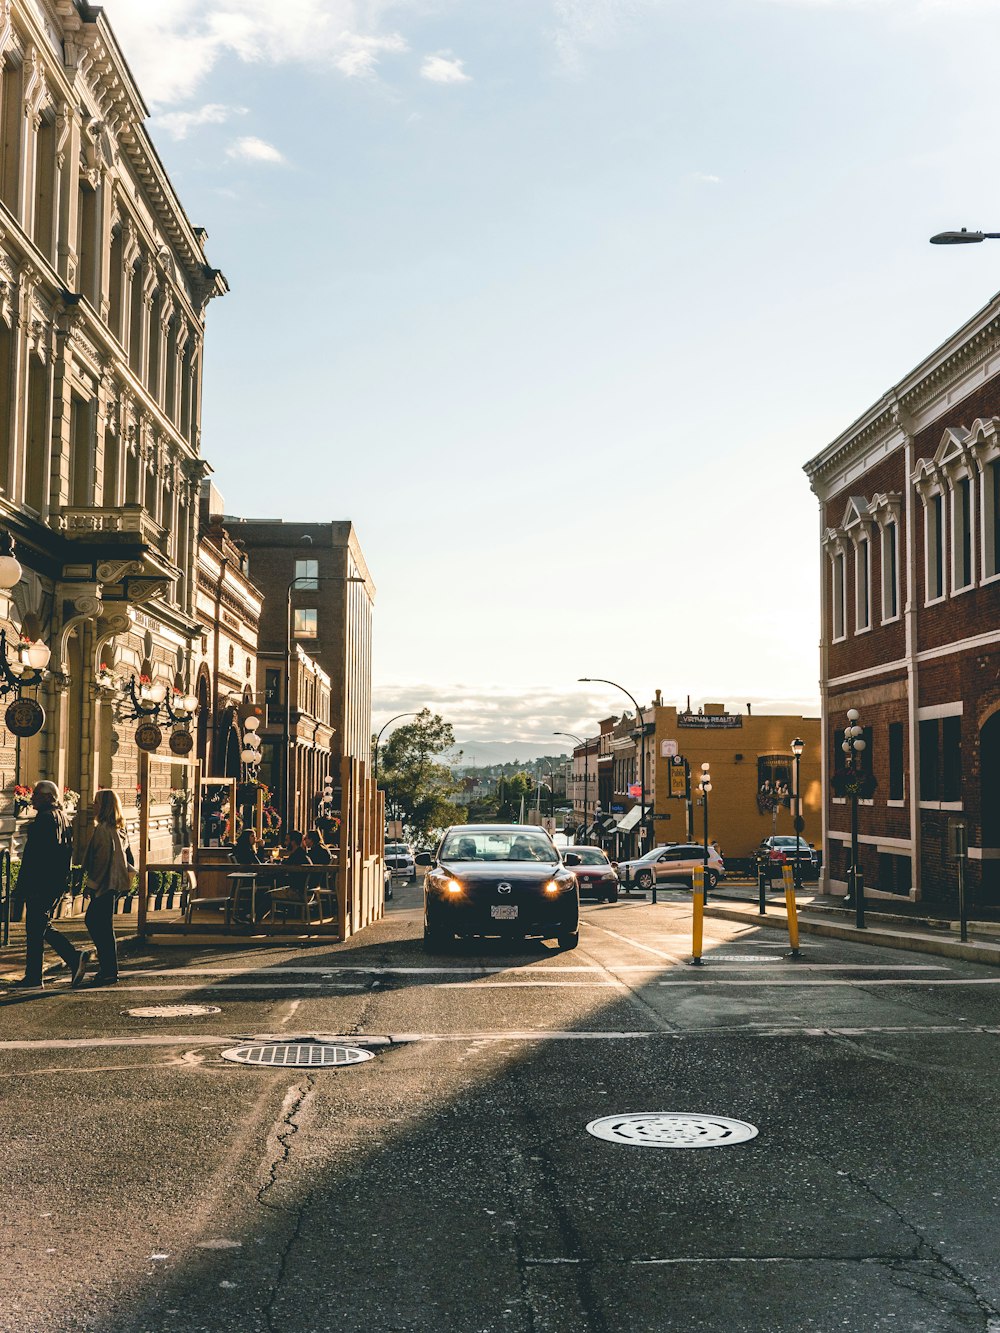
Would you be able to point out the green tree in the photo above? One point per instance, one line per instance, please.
(509, 792)
(417, 785)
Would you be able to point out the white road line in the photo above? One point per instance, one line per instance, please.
(384, 1042)
(765, 982)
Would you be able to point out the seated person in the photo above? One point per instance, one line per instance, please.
(295, 852)
(466, 849)
(245, 849)
(316, 850)
(521, 850)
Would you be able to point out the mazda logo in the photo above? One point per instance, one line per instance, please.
(503, 888)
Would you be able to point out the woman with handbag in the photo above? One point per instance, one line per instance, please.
(108, 876)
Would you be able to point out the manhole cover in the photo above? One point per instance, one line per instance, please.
(672, 1129)
(297, 1054)
(173, 1011)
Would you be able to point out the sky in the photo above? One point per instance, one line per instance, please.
(555, 298)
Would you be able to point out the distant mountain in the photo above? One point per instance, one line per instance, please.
(479, 754)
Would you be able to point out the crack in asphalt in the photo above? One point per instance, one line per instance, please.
(923, 1248)
(295, 1100)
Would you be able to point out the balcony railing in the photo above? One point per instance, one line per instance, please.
(132, 522)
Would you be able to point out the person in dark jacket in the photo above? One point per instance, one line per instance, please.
(41, 882)
(108, 875)
(316, 849)
(245, 849)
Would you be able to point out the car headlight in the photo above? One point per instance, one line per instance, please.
(453, 886)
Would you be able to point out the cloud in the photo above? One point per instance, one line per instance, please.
(582, 25)
(173, 48)
(443, 68)
(252, 149)
(530, 715)
(705, 178)
(179, 124)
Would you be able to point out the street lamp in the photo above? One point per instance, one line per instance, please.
(853, 747)
(964, 237)
(797, 747)
(310, 581)
(379, 737)
(705, 786)
(599, 680)
(586, 770)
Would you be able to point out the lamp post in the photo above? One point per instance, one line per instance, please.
(853, 747)
(311, 581)
(705, 786)
(586, 769)
(379, 737)
(797, 747)
(599, 680)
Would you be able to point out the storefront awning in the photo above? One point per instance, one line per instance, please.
(629, 820)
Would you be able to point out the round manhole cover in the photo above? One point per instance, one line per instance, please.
(173, 1011)
(672, 1129)
(297, 1054)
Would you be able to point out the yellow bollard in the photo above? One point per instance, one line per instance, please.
(788, 875)
(698, 917)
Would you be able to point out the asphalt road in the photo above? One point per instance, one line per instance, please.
(450, 1183)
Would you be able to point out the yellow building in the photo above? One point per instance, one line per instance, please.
(752, 773)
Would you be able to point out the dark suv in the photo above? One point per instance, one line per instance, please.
(785, 849)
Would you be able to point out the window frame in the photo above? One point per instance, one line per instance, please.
(935, 511)
(863, 585)
(298, 630)
(890, 570)
(838, 599)
(308, 581)
(963, 528)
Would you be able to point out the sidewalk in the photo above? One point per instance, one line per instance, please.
(821, 914)
(12, 954)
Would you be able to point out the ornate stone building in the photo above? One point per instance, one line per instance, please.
(104, 285)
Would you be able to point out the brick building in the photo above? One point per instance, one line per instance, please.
(909, 501)
(318, 571)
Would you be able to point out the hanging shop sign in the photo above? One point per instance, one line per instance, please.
(25, 717)
(148, 736)
(181, 742)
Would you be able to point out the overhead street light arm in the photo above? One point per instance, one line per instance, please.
(641, 719)
(379, 737)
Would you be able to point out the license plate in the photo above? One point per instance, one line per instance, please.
(503, 913)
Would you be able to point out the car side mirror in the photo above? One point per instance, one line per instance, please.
(571, 859)
(423, 859)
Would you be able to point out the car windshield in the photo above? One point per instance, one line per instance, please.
(788, 842)
(590, 856)
(513, 846)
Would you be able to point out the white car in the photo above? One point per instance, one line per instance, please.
(671, 863)
(399, 858)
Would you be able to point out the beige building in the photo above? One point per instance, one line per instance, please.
(750, 759)
(104, 284)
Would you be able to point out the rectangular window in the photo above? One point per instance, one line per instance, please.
(962, 528)
(307, 575)
(934, 521)
(991, 519)
(863, 588)
(951, 759)
(838, 602)
(305, 622)
(894, 873)
(890, 571)
(895, 761)
(929, 760)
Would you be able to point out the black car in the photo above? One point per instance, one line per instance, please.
(499, 879)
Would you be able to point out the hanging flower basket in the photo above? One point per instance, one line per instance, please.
(850, 784)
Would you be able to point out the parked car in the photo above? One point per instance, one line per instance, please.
(671, 863)
(499, 879)
(399, 857)
(785, 849)
(595, 873)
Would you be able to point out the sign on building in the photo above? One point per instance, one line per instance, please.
(678, 777)
(668, 749)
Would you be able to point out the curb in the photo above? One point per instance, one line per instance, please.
(908, 941)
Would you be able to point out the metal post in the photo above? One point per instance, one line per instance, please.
(705, 836)
(856, 885)
(762, 884)
(798, 821)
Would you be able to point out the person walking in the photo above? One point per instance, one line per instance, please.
(41, 882)
(108, 875)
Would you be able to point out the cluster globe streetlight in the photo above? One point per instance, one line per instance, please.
(853, 746)
(705, 787)
(796, 747)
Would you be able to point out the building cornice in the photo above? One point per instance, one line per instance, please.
(916, 400)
